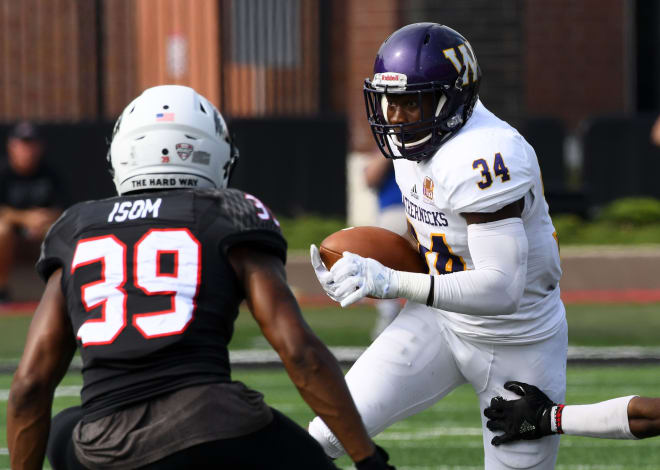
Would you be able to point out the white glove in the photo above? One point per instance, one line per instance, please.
(322, 273)
(356, 277)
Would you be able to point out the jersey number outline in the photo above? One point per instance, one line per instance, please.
(445, 260)
(182, 285)
(262, 211)
(498, 165)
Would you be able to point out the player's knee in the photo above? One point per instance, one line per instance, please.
(319, 431)
(540, 454)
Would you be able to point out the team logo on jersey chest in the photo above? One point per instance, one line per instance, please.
(428, 188)
(184, 150)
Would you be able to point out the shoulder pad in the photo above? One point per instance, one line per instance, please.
(249, 221)
(484, 173)
(56, 246)
(245, 211)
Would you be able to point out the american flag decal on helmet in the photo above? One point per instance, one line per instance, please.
(165, 117)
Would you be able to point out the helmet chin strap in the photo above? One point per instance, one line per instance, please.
(394, 138)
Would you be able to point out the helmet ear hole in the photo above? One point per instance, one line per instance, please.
(201, 107)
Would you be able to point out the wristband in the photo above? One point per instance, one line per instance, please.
(414, 286)
(431, 297)
(555, 419)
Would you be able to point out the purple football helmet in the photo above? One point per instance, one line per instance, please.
(420, 59)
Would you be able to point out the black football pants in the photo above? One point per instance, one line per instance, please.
(282, 444)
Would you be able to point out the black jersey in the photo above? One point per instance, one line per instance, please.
(149, 289)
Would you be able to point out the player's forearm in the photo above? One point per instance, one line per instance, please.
(644, 417)
(311, 366)
(319, 379)
(28, 424)
(27, 444)
(495, 285)
(607, 419)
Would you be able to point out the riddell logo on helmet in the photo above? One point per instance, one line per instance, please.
(390, 79)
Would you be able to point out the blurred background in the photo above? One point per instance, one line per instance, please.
(579, 78)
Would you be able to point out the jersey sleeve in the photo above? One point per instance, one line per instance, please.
(252, 222)
(56, 249)
(486, 178)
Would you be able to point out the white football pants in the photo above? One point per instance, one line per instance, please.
(417, 360)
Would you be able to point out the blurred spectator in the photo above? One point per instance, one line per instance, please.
(30, 198)
(655, 132)
(379, 176)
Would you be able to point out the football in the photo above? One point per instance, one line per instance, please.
(385, 246)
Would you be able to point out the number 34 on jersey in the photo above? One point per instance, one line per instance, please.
(439, 256)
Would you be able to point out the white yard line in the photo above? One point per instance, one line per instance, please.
(428, 433)
(62, 391)
(576, 466)
(349, 354)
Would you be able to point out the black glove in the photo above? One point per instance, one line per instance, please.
(526, 418)
(376, 461)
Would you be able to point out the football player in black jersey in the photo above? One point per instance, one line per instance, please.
(147, 285)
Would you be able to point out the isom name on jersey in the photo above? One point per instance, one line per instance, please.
(436, 219)
(137, 209)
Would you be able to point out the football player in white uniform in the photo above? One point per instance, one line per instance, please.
(489, 310)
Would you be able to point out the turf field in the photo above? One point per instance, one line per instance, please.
(447, 436)
(589, 325)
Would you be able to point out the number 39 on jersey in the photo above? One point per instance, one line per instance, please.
(109, 293)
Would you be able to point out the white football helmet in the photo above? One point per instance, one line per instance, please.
(170, 137)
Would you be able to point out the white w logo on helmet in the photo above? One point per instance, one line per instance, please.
(468, 61)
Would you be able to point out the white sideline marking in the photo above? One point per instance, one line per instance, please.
(63, 391)
(350, 354)
(579, 466)
(242, 356)
(435, 467)
(429, 433)
(559, 467)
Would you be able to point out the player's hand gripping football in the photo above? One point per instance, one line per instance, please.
(356, 277)
(525, 418)
(322, 273)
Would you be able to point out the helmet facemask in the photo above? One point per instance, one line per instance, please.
(394, 140)
(422, 129)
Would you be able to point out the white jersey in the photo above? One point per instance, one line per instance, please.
(484, 167)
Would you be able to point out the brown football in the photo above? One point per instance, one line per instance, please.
(385, 246)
